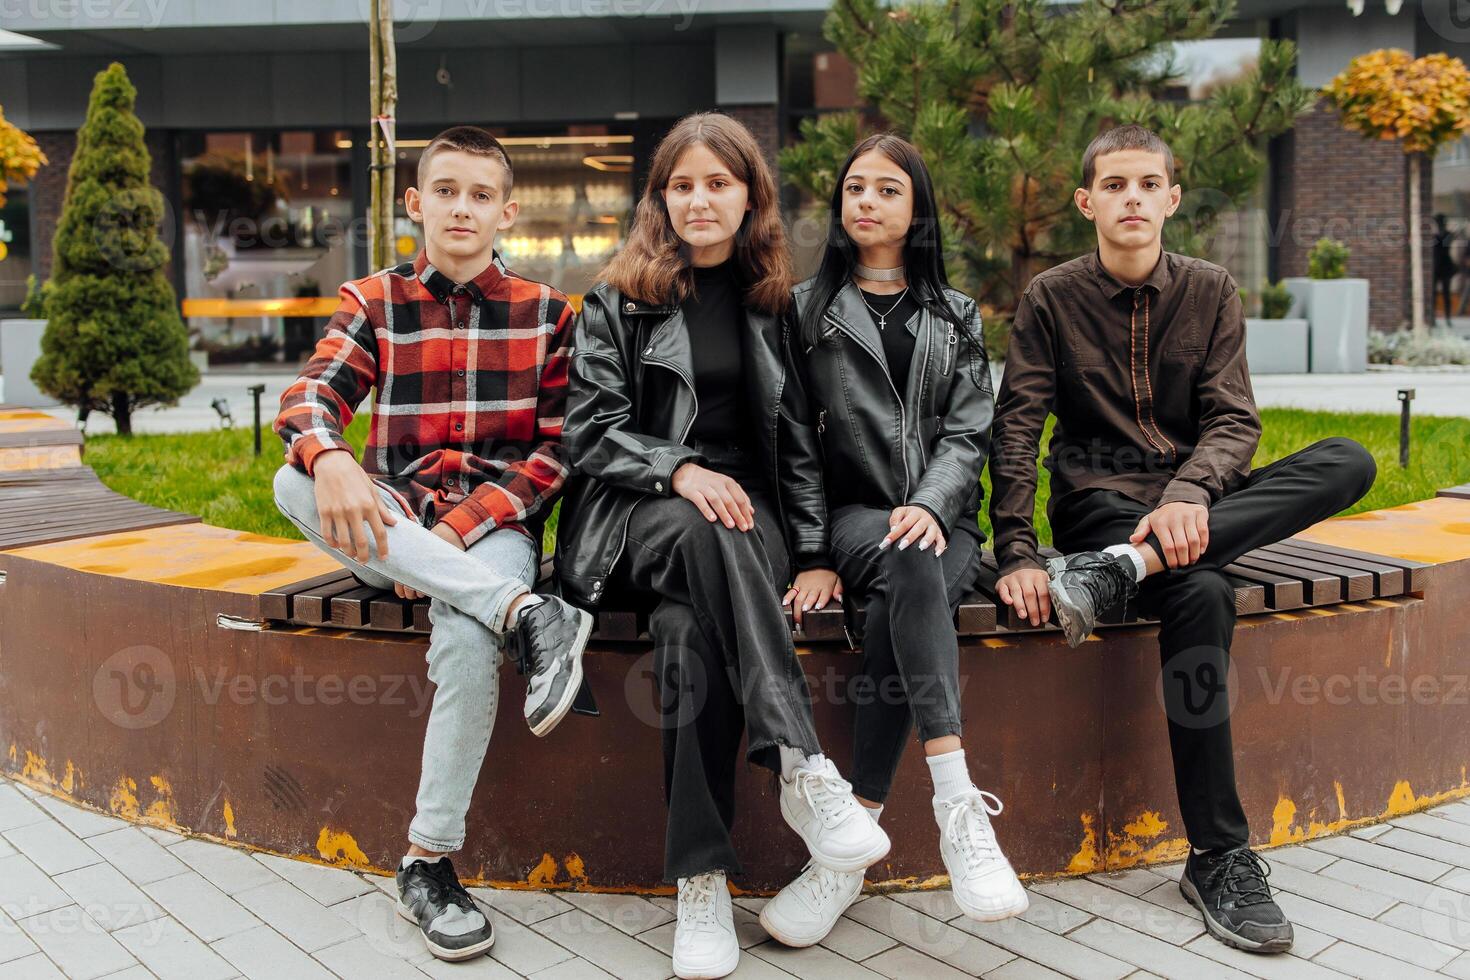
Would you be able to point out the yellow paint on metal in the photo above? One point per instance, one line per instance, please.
(1435, 530)
(229, 820)
(196, 556)
(544, 874)
(1088, 858)
(124, 800)
(339, 847)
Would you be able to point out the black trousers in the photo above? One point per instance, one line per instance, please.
(723, 657)
(910, 651)
(1196, 608)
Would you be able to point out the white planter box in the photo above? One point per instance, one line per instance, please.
(20, 348)
(1276, 346)
(1337, 316)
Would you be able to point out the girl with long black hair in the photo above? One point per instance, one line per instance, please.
(893, 364)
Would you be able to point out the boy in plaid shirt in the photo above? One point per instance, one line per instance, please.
(462, 464)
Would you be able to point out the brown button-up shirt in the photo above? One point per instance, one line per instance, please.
(1149, 386)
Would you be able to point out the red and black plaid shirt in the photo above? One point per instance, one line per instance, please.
(471, 386)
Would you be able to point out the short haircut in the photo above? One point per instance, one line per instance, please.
(1125, 138)
(467, 139)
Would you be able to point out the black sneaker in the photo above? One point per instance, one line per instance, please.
(1084, 586)
(1230, 888)
(429, 893)
(551, 635)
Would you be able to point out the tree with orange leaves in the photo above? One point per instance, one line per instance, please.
(20, 157)
(1422, 102)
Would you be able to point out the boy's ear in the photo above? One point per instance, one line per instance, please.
(1175, 194)
(413, 204)
(1082, 197)
(508, 215)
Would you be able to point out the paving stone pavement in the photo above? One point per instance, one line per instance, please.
(86, 895)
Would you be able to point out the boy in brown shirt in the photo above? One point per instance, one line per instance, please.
(1140, 355)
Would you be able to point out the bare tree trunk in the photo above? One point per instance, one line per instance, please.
(384, 95)
(122, 413)
(1416, 247)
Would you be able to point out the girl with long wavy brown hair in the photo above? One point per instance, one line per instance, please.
(697, 483)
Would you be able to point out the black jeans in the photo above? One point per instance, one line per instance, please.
(723, 657)
(1196, 608)
(908, 634)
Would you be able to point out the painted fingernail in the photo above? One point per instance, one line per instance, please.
(883, 545)
(903, 544)
(807, 607)
(923, 546)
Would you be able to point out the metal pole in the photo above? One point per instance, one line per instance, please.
(1406, 395)
(256, 391)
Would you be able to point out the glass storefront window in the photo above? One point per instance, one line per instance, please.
(15, 247)
(575, 189)
(1450, 254)
(267, 238)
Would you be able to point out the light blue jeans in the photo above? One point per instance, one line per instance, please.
(469, 592)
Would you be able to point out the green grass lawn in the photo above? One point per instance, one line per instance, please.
(216, 475)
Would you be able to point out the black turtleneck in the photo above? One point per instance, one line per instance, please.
(715, 319)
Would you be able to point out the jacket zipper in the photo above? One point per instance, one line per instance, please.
(903, 426)
(949, 349)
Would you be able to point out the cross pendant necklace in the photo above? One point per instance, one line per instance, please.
(883, 317)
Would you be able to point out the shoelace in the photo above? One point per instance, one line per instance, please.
(697, 901)
(819, 882)
(1241, 866)
(827, 793)
(443, 886)
(1108, 584)
(968, 825)
(529, 661)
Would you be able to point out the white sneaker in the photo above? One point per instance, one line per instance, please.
(704, 935)
(818, 804)
(984, 885)
(805, 910)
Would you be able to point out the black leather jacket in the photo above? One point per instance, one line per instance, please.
(887, 445)
(625, 431)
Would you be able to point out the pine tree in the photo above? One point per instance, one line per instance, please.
(1003, 96)
(114, 342)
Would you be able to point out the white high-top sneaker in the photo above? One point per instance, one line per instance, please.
(805, 910)
(984, 885)
(818, 804)
(704, 935)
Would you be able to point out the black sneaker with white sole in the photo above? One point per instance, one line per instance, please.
(1086, 585)
(453, 926)
(551, 635)
(1229, 888)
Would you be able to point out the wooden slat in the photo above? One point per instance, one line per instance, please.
(1387, 580)
(1358, 583)
(1415, 570)
(34, 438)
(52, 534)
(420, 613)
(976, 616)
(616, 626)
(276, 604)
(1319, 588)
(1282, 592)
(387, 611)
(1250, 597)
(1462, 492)
(820, 625)
(314, 606)
(350, 609)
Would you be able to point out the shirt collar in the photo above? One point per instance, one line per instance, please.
(441, 286)
(1112, 286)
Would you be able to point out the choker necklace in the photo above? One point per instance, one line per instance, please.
(880, 275)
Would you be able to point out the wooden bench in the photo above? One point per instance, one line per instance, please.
(1294, 574)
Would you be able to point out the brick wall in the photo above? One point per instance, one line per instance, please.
(48, 190)
(1335, 183)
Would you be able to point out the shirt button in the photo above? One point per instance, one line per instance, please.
(658, 485)
(459, 427)
(461, 372)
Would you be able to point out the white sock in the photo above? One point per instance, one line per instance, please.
(1140, 571)
(951, 775)
(529, 602)
(794, 759)
(427, 859)
(874, 811)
